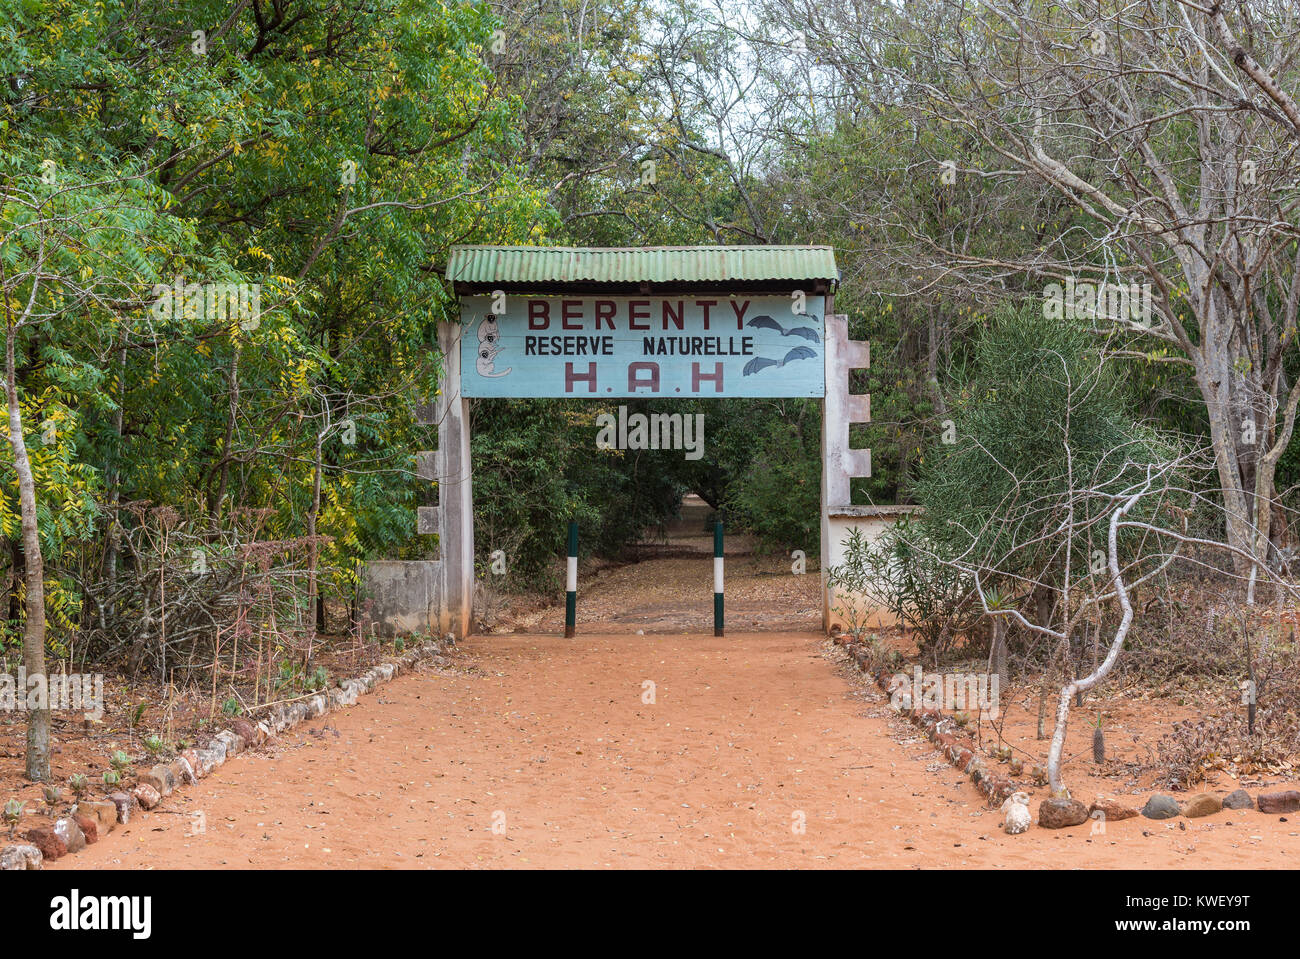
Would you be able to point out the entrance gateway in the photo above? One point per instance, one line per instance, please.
(713, 322)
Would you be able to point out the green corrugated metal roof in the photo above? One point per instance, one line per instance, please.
(647, 264)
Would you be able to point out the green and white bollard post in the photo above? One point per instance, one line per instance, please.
(571, 585)
(717, 578)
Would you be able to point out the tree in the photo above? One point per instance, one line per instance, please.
(1152, 145)
(1031, 506)
(324, 155)
(38, 724)
(72, 256)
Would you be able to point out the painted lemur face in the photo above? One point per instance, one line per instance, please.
(489, 345)
(488, 330)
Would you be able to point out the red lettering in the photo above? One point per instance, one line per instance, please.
(740, 313)
(539, 310)
(704, 305)
(635, 381)
(570, 310)
(571, 377)
(677, 317)
(605, 310)
(634, 314)
(715, 377)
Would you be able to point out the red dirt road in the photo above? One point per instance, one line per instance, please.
(549, 739)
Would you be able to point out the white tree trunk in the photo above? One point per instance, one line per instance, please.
(1069, 690)
(38, 719)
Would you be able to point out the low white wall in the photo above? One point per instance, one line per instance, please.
(404, 595)
(837, 525)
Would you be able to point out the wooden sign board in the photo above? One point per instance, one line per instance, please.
(693, 345)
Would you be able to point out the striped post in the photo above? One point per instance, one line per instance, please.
(571, 585)
(717, 578)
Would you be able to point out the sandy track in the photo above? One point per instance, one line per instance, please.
(552, 737)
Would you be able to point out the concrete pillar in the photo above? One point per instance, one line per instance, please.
(455, 491)
(840, 462)
(403, 594)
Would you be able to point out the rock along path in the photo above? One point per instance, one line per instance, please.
(756, 751)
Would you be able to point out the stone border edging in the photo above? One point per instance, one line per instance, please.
(91, 819)
(960, 751)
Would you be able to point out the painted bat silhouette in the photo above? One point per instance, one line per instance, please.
(767, 323)
(489, 334)
(762, 362)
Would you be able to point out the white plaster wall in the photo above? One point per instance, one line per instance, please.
(872, 528)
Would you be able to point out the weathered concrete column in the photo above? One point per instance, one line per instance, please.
(404, 595)
(455, 491)
(840, 462)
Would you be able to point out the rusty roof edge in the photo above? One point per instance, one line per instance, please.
(775, 247)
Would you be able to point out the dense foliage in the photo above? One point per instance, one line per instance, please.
(328, 152)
